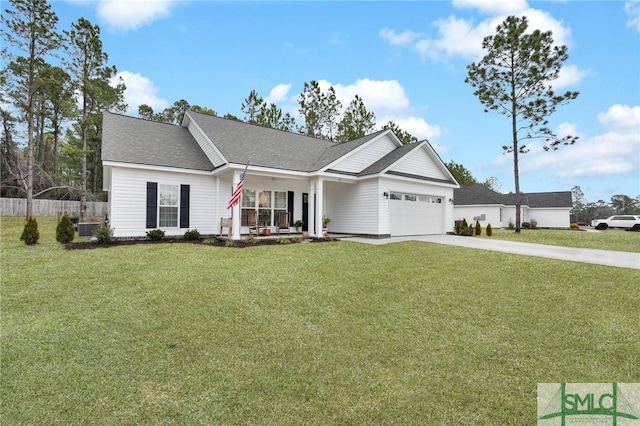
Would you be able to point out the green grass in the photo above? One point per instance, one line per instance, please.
(301, 334)
(605, 240)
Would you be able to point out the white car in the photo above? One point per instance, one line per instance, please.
(626, 221)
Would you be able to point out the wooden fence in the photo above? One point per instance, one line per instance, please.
(18, 206)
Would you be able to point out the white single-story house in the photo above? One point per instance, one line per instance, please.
(477, 203)
(177, 178)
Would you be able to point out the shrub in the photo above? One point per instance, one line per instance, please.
(103, 234)
(574, 226)
(478, 228)
(533, 223)
(283, 240)
(65, 232)
(229, 243)
(192, 235)
(251, 239)
(489, 230)
(155, 234)
(30, 234)
(511, 225)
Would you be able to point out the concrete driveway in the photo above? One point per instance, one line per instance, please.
(618, 259)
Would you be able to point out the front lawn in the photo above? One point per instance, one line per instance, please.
(611, 239)
(301, 334)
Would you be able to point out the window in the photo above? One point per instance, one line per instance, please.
(268, 203)
(168, 217)
(279, 204)
(395, 196)
(408, 197)
(264, 207)
(248, 203)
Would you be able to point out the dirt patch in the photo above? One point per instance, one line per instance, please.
(212, 242)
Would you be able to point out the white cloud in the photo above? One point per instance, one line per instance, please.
(493, 6)
(621, 118)
(570, 75)
(458, 37)
(140, 90)
(614, 152)
(632, 9)
(278, 94)
(400, 39)
(132, 14)
(419, 128)
(379, 96)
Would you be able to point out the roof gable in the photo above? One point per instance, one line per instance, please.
(354, 156)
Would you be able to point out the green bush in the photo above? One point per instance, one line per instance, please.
(65, 232)
(155, 234)
(103, 234)
(251, 239)
(30, 234)
(533, 223)
(489, 230)
(283, 240)
(478, 228)
(192, 235)
(511, 225)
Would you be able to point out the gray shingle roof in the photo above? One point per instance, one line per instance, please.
(239, 141)
(134, 140)
(477, 194)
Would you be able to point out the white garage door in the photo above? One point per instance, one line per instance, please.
(412, 214)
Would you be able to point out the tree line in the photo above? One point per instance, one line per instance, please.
(321, 112)
(56, 85)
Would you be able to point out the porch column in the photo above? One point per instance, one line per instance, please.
(319, 196)
(235, 210)
(311, 225)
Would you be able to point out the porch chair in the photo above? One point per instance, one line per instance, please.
(283, 223)
(252, 221)
(225, 222)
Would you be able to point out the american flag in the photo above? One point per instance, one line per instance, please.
(235, 197)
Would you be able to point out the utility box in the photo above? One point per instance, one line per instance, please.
(86, 229)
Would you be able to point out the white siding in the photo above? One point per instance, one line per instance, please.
(492, 215)
(205, 144)
(353, 209)
(550, 217)
(419, 162)
(366, 155)
(128, 198)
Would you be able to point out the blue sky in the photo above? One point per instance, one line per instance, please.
(407, 60)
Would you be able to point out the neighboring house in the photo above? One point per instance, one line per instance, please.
(475, 202)
(181, 177)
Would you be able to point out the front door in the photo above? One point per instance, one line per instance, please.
(305, 211)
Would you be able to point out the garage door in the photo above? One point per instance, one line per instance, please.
(412, 214)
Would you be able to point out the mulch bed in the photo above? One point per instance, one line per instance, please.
(212, 242)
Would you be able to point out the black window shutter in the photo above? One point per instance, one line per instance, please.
(152, 204)
(184, 206)
(290, 206)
